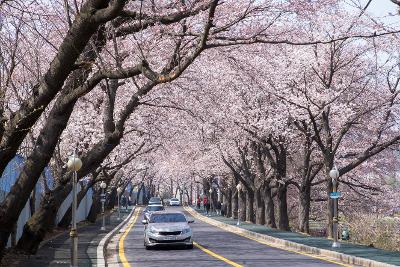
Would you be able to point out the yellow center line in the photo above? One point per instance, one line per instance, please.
(215, 255)
(194, 214)
(124, 261)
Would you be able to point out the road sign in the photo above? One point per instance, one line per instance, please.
(336, 194)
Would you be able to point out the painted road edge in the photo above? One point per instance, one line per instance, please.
(127, 229)
(344, 258)
(101, 261)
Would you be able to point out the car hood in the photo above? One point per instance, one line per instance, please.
(169, 227)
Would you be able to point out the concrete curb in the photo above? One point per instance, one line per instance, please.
(289, 245)
(101, 260)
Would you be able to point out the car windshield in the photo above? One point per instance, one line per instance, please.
(174, 199)
(155, 208)
(155, 199)
(167, 218)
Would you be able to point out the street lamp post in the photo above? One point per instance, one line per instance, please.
(103, 185)
(211, 206)
(74, 164)
(119, 190)
(334, 174)
(238, 187)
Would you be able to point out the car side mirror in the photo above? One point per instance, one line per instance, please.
(144, 222)
(190, 221)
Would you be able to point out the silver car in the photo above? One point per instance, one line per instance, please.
(155, 201)
(167, 228)
(152, 208)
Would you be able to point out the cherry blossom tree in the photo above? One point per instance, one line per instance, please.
(201, 92)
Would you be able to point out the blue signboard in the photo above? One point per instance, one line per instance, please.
(336, 194)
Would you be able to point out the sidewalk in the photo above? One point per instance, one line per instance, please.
(56, 252)
(361, 251)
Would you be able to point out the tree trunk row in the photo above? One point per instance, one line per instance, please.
(259, 206)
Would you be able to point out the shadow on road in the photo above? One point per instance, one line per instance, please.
(169, 248)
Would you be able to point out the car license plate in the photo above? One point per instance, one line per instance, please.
(170, 237)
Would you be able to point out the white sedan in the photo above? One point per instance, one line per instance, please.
(174, 202)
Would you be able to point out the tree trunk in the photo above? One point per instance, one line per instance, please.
(45, 144)
(283, 211)
(138, 194)
(304, 213)
(95, 209)
(32, 201)
(66, 219)
(250, 206)
(234, 204)
(214, 199)
(228, 203)
(269, 208)
(260, 208)
(191, 193)
(242, 206)
(14, 236)
(20, 192)
(43, 220)
(188, 197)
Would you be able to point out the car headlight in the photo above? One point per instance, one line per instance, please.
(186, 231)
(153, 231)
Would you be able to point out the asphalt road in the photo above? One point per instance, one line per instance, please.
(224, 249)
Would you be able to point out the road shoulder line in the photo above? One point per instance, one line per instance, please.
(321, 254)
(121, 251)
(101, 261)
